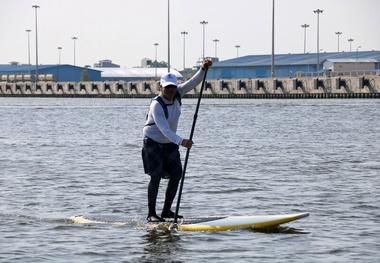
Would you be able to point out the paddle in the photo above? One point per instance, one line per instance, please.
(188, 150)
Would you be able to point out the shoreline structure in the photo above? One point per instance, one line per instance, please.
(367, 86)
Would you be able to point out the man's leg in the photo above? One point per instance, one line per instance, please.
(170, 194)
(152, 197)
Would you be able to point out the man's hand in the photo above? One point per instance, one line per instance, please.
(187, 143)
(206, 63)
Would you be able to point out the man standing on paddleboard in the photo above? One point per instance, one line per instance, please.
(160, 152)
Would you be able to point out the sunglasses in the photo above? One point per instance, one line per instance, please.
(170, 87)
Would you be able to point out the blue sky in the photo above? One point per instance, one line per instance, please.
(125, 31)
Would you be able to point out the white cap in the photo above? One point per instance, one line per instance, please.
(168, 79)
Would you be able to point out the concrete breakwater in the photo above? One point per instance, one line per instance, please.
(303, 87)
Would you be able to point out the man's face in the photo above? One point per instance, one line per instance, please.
(169, 92)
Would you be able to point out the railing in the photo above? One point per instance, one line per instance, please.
(338, 74)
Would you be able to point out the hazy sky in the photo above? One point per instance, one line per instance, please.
(125, 31)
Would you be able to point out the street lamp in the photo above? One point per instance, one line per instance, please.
(168, 36)
(28, 30)
(35, 15)
(203, 23)
(216, 48)
(308, 61)
(318, 11)
(59, 55)
(338, 34)
(357, 51)
(304, 37)
(237, 50)
(350, 40)
(155, 61)
(184, 33)
(272, 60)
(74, 38)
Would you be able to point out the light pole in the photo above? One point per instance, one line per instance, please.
(308, 61)
(216, 47)
(59, 55)
(184, 33)
(357, 51)
(272, 63)
(28, 30)
(237, 50)
(74, 38)
(168, 36)
(318, 11)
(155, 60)
(35, 15)
(338, 34)
(203, 23)
(304, 37)
(350, 40)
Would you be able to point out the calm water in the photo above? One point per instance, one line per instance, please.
(65, 157)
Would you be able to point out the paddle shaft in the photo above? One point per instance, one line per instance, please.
(188, 150)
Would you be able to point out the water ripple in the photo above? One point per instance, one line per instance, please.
(66, 157)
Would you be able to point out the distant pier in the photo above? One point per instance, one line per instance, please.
(266, 88)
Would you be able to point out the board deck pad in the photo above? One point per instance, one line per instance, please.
(194, 220)
(208, 223)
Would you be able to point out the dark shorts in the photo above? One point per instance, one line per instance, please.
(161, 159)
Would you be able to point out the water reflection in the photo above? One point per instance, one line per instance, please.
(280, 230)
(161, 246)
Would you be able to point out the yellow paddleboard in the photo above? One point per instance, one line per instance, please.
(206, 223)
(236, 222)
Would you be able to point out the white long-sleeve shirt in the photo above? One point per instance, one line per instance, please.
(164, 130)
